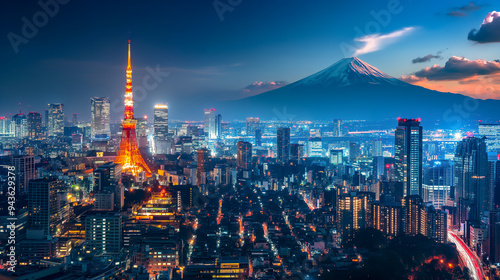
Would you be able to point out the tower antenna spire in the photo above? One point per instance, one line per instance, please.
(129, 156)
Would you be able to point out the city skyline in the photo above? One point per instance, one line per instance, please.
(187, 70)
(281, 140)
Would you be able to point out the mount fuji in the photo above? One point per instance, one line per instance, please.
(353, 89)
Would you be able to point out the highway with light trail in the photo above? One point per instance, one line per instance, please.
(467, 256)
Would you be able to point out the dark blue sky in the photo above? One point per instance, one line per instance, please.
(81, 51)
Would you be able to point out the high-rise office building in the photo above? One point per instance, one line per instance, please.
(7, 128)
(494, 236)
(74, 121)
(315, 147)
(258, 137)
(55, 120)
(142, 130)
(296, 152)
(283, 144)
(34, 125)
(437, 183)
(353, 151)
(494, 176)
(103, 233)
(161, 128)
(202, 166)
(336, 156)
(471, 179)
(209, 118)
(376, 148)
(20, 126)
(244, 155)
(25, 171)
(492, 133)
(218, 127)
(252, 125)
(46, 119)
(337, 128)
(99, 117)
(43, 206)
(212, 125)
(408, 155)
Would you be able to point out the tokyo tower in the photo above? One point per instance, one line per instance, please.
(128, 155)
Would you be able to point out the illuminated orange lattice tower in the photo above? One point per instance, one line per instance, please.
(129, 156)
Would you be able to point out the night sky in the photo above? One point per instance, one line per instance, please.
(252, 46)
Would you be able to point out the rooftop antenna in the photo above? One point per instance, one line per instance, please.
(20, 108)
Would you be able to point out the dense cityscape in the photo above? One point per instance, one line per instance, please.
(275, 195)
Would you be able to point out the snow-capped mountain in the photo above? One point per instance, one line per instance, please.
(353, 89)
(349, 71)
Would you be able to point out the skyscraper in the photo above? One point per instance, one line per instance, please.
(471, 179)
(296, 152)
(43, 206)
(258, 137)
(353, 151)
(34, 125)
(408, 155)
(376, 148)
(494, 236)
(252, 125)
(244, 157)
(161, 128)
(202, 165)
(336, 156)
(56, 119)
(212, 125)
(25, 171)
(74, 121)
(46, 119)
(492, 133)
(315, 147)
(129, 155)
(99, 117)
(7, 128)
(283, 144)
(337, 127)
(20, 126)
(217, 127)
(437, 181)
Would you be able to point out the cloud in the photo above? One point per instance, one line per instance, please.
(458, 68)
(463, 10)
(456, 14)
(411, 79)
(375, 42)
(259, 87)
(489, 31)
(426, 58)
(476, 78)
(470, 81)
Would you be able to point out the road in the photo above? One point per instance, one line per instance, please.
(467, 256)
